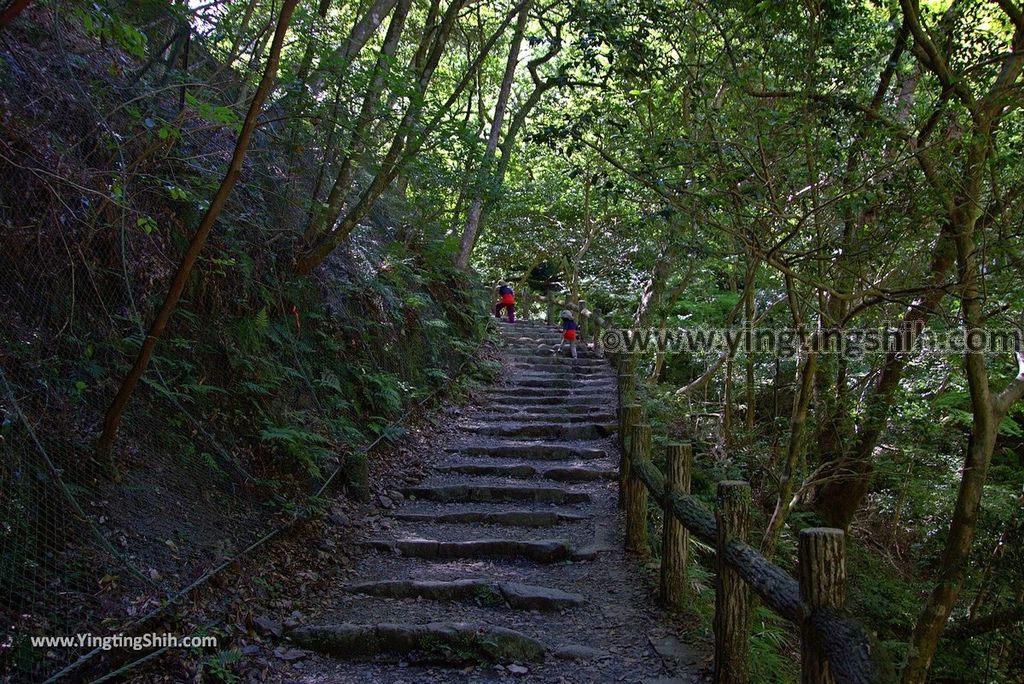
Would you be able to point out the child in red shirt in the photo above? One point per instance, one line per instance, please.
(506, 301)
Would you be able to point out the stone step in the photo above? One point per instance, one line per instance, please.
(548, 344)
(436, 641)
(569, 368)
(465, 493)
(542, 365)
(543, 373)
(516, 332)
(577, 474)
(553, 361)
(556, 416)
(542, 551)
(478, 591)
(597, 385)
(529, 345)
(521, 471)
(594, 417)
(531, 336)
(537, 451)
(527, 471)
(549, 352)
(517, 518)
(592, 386)
(548, 394)
(546, 430)
(544, 398)
(547, 409)
(521, 323)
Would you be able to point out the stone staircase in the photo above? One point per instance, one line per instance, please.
(506, 559)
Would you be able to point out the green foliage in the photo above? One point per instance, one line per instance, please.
(219, 666)
(107, 25)
(772, 648)
(304, 446)
(214, 113)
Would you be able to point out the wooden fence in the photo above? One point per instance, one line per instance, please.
(833, 647)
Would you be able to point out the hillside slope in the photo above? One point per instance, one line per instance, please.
(264, 389)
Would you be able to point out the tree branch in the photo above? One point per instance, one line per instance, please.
(1013, 391)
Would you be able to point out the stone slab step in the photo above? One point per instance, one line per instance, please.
(548, 406)
(527, 471)
(542, 551)
(527, 395)
(548, 351)
(599, 385)
(484, 493)
(530, 342)
(550, 414)
(579, 474)
(542, 387)
(432, 642)
(537, 451)
(546, 430)
(575, 369)
(596, 377)
(479, 591)
(517, 518)
(524, 398)
(540, 410)
(554, 362)
(502, 323)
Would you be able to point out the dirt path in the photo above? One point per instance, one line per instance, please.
(505, 561)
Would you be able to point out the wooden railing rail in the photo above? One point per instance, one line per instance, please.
(834, 648)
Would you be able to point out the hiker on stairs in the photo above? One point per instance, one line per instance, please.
(506, 301)
(569, 328)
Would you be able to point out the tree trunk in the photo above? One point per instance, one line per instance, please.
(430, 52)
(987, 414)
(236, 45)
(12, 11)
(302, 74)
(399, 153)
(748, 384)
(846, 479)
(116, 410)
(507, 145)
(357, 140)
(964, 209)
(797, 433)
(358, 37)
(469, 235)
(264, 38)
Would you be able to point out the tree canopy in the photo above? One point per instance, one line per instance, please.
(819, 167)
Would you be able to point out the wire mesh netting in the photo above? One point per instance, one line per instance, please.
(264, 390)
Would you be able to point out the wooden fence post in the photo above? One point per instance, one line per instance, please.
(822, 574)
(629, 415)
(613, 359)
(627, 364)
(675, 539)
(636, 492)
(732, 597)
(626, 388)
(596, 334)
